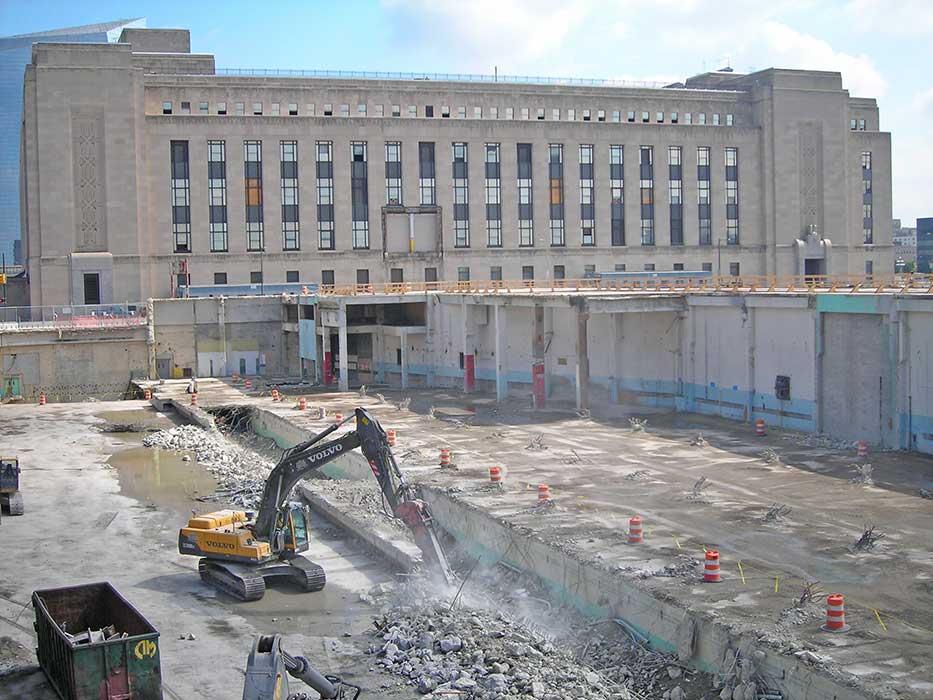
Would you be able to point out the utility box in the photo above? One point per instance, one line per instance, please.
(84, 663)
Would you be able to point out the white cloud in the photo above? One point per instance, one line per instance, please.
(787, 48)
(923, 100)
(895, 17)
(485, 32)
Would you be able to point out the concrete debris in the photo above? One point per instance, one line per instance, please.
(362, 391)
(684, 566)
(926, 493)
(583, 413)
(696, 494)
(127, 428)
(380, 398)
(769, 456)
(537, 443)
(432, 411)
(240, 472)
(862, 475)
(699, 441)
(638, 424)
(403, 404)
(637, 475)
(576, 458)
(476, 653)
(777, 511)
(868, 540)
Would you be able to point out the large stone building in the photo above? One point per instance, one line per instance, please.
(145, 168)
(904, 239)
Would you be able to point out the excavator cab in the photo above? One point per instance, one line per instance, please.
(296, 529)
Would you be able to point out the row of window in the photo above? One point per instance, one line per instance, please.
(292, 109)
(857, 124)
(359, 193)
(868, 235)
(397, 274)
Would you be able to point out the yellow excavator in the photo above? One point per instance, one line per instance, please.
(240, 550)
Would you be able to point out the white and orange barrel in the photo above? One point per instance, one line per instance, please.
(390, 437)
(760, 427)
(711, 567)
(302, 403)
(635, 530)
(147, 394)
(544, 493)
(445, 457)
(862, 447)
(248, 384)
(275, 395)
(495, 475)
(338, 417)
(42, 398)
(194, 398)
(835, 614)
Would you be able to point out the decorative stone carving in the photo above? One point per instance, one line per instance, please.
(89, 193)
(809, 175)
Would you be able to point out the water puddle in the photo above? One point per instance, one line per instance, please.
(162, 478)
(142, 418)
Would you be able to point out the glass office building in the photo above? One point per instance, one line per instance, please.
(15, 53)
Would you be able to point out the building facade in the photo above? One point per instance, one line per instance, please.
(904, 239)
(146, 169)
(15, 55)
(925, 245)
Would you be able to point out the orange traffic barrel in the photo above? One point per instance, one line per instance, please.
(275, 395)
(862, 447)
(42, 398)
(338, 417)
(302, 403)
(147, 393)
(248, 384)
(760, 427)
(634, 530)
(544, 493)
(835, 614)
(495, 475)
(194, 398)
(390, 437)
(445, 457)
(711, 567)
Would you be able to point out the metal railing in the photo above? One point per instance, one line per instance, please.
(84, 316)
(444, 77)
(655, 283)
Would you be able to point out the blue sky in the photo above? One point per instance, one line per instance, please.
(884, 48)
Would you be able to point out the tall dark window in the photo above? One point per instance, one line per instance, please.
(617, 192)
(426, 173)
(732, 196)
(555, 158)
(493, 197)
(393, 173)
(526, 229)
(359, 194)
(181, 197)
(867, 226)
(461, 196)
(587, 197)
(325, 195)
(676, 193)
(291, 239)
(703, 196)
(646, 185)
(253, 181)
(217, 194)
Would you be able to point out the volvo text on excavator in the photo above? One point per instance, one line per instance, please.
(240, 552)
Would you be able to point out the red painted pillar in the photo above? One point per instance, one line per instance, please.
(469, 374)
(328, 368)
(537, 384)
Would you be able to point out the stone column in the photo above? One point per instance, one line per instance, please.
(502, 381)
(404, 345)
(342, 323)
(583, 361)
(469, 360)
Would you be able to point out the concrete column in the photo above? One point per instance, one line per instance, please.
(818, 371)
(537, 358)
(319, 364)
(379, 355)
(583, 361)
(548, 340)
(404, 342)
(750, 366)
(222, 327)
(502, 382)
(151, 339)
(617, 348)
(469, 360)
(344, 374)
(890, 428)
(429, 344)
(681, 361)
(194, 333)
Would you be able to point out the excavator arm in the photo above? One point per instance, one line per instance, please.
(301, 460)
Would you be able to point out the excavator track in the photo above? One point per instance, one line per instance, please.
(308, 575)
(240, 587)
(13, 503)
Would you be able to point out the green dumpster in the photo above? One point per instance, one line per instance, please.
(83, 665)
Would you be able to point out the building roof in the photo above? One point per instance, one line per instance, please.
(83, 29)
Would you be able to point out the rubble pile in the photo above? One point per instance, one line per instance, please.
(448, 652)
(241, 473)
